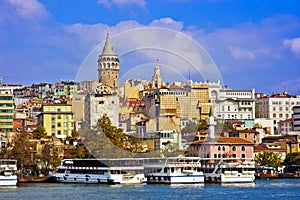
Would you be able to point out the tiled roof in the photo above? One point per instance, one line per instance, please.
(262, 148)
(247, 131)
(237, 122)
(225, 140)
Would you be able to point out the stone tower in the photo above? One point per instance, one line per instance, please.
(108, 65)
(156, 81)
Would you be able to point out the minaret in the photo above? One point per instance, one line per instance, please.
(211, 127)
(108, 65)
(156, 81)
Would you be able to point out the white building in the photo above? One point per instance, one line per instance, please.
(277, 107)
(99, 103)
(232, 104)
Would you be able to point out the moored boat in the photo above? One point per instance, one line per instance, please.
(7, 175)
(175, 171)
(81, 171)
(227, 171)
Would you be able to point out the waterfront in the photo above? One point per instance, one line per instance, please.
(262, 189)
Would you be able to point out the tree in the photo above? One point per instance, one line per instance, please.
(268, 159)
(292, 158)
(39, 132)
(22, 150)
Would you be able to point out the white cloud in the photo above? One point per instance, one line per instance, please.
(121, 3)
(29, 9)
(293, 44)
(240, 53)
(167, 22)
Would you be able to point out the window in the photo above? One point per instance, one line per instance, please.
(233, 148)
(234, 155)
(219, 148)
(243, 148)
(215, 155)
(243, 155)
(58, 124)
(58, 116)
(274, 115)
(223, 148)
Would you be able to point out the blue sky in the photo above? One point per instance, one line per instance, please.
(254, 43)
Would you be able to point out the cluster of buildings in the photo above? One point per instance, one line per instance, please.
(155, 111)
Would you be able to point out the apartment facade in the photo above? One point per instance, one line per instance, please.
(57, 119)
(296, 118)
(6, 110)
(277, 107)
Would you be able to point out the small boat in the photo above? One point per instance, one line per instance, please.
(7, 172)
(228, 171)
(175, 171)
(127, 176)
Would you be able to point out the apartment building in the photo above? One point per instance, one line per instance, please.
(277, 107)
(57, 119)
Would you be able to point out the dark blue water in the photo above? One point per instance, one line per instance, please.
(262, 189)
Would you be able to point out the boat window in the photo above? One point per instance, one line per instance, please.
(165, 170)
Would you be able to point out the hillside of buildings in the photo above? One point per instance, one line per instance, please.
(46, 122)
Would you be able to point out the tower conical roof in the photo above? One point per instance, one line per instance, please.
(108, 49)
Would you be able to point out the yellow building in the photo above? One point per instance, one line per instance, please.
(130, 91)
(200, 92)
(6, 111)
(57, 119)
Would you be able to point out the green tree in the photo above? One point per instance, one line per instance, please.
(107, 141)
(268, 159)
(39, 132)
(292, 158)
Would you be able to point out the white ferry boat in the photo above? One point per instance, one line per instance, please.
(126, 170)
(175, 171)
(7, 169)
(82, 171)
(227, 171)
(107, 171)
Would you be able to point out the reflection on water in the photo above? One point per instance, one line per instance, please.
(239, 184)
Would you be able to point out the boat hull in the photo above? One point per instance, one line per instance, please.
(8, 180)
(81, 178)
(128, 179)
(175, 179)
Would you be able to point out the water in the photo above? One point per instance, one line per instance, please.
(262, 189)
